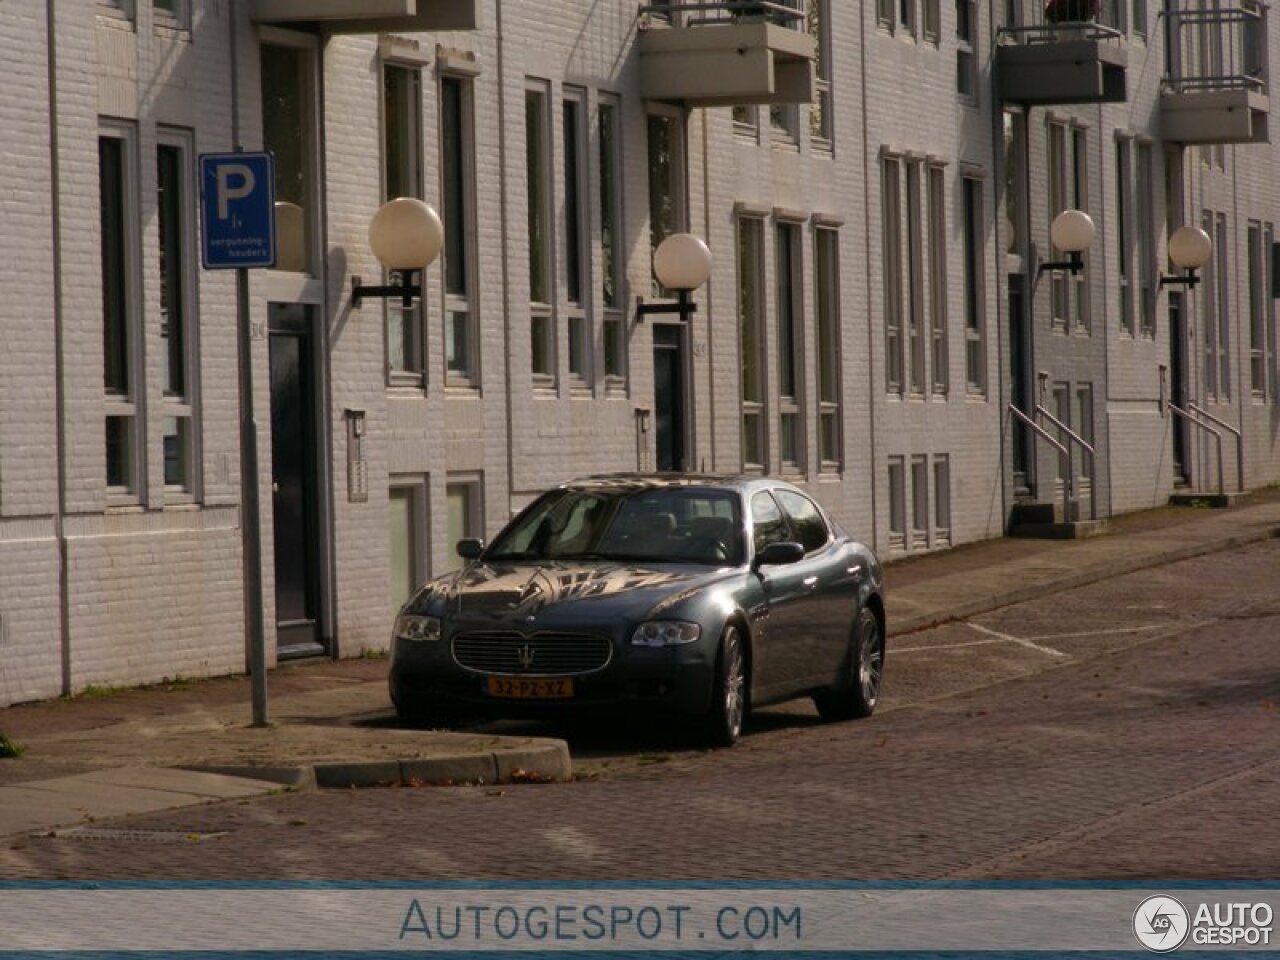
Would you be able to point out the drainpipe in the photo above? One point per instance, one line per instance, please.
(871, 339)
(59, 367)
(506, 251)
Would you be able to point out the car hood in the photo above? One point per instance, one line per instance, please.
(516, 592)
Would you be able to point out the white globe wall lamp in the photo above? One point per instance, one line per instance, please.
(1190, 249)
(681, 263)
(406, 236)
(1072, 232)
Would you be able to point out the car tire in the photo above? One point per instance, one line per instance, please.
(729, 694)
(861, 673)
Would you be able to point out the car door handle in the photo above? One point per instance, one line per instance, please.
(810, 582)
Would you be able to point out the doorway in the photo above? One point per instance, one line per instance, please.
(294, 486)
(670, 396)
(1178, 386)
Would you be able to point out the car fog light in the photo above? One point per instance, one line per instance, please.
(665, 633)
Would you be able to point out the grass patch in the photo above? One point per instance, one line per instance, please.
(10, 749)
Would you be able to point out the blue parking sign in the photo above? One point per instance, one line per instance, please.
(237, 192)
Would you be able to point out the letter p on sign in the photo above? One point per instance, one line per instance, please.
(227, 191)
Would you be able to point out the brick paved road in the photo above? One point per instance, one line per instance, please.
(1129, 729)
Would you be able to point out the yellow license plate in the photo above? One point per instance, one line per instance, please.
(523, 688)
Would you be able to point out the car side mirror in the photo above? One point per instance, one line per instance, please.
(470, 548)
(777, 554)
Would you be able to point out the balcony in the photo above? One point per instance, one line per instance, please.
(1215, 89)
(730, 53)
(1061, 61)
(368, 16)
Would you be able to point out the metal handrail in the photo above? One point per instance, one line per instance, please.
(1217, 435)
(1200, 411)
(1072, 494)
(1056, 32)
(1037, 428)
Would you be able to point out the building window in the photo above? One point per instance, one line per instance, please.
(818, 21)
(1259, 357)
(784, 123)
(573, 129)
(975, 333)
(666, 180)
(826, 280)
(932, 10)
(1269, 307)
(938, 354)
(117, 192)
(907, 16)
(919, 503)
(611, 274)
(966, 50)
(1068, 188)
(915, 281)
(751, 342)
(897, 504)
(174, 199)
(288, 127)
(1124, 231)
(1015, 179)
(1144, 234)
(402, 177)
(1080, 191)
(891, 213)
(457, 188)
(407, 521)
(172, 13)
(466, 518)
(1214, 335)
(538, 174)
(942, 500)
(1139, 18)
(791, 435)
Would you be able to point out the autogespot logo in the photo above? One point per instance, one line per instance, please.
(1161, 923)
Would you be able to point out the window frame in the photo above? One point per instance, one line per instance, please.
(183, 406)
(790, 338)
(612, 231)
(939, 352)
(473, 483)
(460, 301)
(125, 403)
(754, 409)
(420, 524)
(828, 369)
(540, 193)
(891, 214)
(975, 286)
(576, 205)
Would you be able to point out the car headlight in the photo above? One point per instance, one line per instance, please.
(665, 633)
(417, 629)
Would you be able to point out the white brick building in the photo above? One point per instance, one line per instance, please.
(875, 303)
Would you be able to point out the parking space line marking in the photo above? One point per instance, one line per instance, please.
(942, 646)
(1029, 644)
(1100, 633)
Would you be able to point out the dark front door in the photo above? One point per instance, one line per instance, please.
(293, 481)
(1178, 384)
(669, 395)
(1020, 388)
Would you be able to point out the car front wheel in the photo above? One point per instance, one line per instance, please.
(858, 691)
(729, 695)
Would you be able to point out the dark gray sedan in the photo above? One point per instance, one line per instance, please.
(703, 595)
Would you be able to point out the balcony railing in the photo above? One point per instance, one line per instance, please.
(1215, 87)
(1216, 48)
(710, 12)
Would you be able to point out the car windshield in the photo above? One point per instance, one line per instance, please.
(673, 524)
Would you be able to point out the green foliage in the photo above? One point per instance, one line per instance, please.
(8, 748)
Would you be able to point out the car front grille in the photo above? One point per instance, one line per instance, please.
(538, 654)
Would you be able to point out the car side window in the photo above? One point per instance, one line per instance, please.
(767, 519)
(806, 520)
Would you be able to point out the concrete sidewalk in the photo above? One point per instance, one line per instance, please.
(136, 751)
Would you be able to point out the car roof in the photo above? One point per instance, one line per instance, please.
(652, 481)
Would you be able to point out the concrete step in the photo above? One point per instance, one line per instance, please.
(1215, 501)
(1076, 530)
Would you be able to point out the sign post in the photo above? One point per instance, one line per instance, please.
(237, 232)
